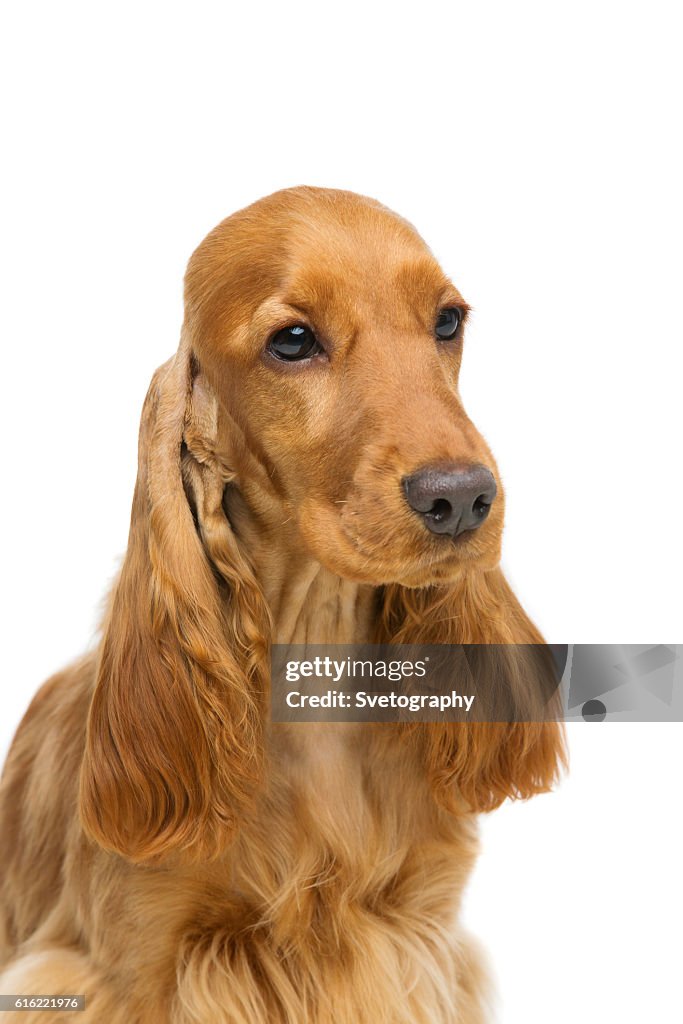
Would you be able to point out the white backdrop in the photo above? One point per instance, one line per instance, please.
(537, 148)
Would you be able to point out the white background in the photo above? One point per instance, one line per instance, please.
(536, 146)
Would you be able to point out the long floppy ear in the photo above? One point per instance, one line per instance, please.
(475, 766)
(173, 749)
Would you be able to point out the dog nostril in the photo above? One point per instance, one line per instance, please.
(481, 506)
(441, 510)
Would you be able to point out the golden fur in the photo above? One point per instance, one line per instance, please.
(166, 850)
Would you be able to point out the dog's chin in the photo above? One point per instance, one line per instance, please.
(419, 574)
(456, 563)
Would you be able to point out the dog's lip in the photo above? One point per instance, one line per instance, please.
(439, 550)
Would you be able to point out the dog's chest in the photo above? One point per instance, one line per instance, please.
(347, 816)
(346, 878)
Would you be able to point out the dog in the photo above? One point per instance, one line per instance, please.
(307, 474)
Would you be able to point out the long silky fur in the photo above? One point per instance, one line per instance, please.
(169, 852)
(478, 765)
(174, 744)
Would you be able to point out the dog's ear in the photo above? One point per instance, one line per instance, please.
(173, 747)
(475, 766)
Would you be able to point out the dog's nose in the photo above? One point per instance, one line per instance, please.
(451, 498)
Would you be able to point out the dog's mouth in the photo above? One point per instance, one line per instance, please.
(412, 531)
(425, 554)
(420, 526)
(408, 553)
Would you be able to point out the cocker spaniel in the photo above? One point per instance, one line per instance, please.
(307, 473)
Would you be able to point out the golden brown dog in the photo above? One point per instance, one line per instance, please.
(306, 473)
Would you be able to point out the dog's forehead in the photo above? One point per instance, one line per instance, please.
(311, 248)
(385, 283)
(368, 252)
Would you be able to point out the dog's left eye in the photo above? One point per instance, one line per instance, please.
(296, 342)
(447, 323)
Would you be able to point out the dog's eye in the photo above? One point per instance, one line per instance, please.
(447, 324)
(296, 342)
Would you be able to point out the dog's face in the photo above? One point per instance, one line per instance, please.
(333, 341)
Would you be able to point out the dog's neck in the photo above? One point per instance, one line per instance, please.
(308, 603)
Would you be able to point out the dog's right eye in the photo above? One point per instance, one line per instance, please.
(292, 343)
(447, 324)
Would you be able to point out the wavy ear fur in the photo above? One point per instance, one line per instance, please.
(173, 749)
(476, 766)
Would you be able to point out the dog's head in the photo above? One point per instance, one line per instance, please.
(332, 341)
(313, 402)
